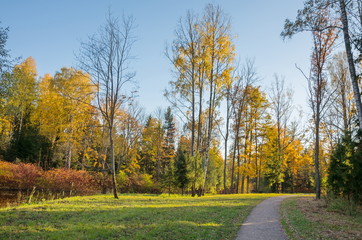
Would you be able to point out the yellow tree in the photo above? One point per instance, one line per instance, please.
(64, 111)
(18, 100)
(216, 39)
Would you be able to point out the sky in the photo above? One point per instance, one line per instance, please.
(51, 32)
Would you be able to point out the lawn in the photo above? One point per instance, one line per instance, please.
(306, 218)
(130, 217)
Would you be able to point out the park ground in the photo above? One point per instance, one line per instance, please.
(171, 217)
(130, 217)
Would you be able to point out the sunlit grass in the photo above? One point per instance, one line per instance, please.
(130, 217)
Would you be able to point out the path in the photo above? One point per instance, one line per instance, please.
(263, 222)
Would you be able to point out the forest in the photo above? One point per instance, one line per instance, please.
(81, 129)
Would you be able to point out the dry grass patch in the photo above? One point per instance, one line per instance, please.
(307, 218)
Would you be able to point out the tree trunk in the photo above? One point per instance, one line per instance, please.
(226, 139)
(113, 165)
(352, 69)
(316, 157)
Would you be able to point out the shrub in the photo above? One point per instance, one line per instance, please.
(69, 180)
(102, 180)
(137, 183)
(27, 175)
(7, 178)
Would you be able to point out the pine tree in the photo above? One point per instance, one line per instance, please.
(181, 171)
(168, 149)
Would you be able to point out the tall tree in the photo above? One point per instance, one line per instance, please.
(106, 57)
(316, 17)
(348, 46)
(239, 98)
(281, 106)
(181, 169)
(217, 39)
(186, 57)
(202, 56)
(168, 158)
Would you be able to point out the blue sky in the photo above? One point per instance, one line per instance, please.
(51, 32)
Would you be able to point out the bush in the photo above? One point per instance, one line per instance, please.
(68, 180)
(137, 183)
(7, 178)
(27, 175)
(103, 181)
(24, 177)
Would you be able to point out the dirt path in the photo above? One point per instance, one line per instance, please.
(263, 222)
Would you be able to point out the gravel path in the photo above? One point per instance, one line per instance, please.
(263, 222)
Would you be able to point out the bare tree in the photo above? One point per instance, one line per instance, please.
(239, 95)
(316, 18)
(349, 52)
(319, 97)
(281, 105)
(106, 57)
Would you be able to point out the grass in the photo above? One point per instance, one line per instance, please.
(306, 218)
(130, 217)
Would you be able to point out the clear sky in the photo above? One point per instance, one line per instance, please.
(51, 31)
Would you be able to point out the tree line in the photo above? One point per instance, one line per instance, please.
(222, 132)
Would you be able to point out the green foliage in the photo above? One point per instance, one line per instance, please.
(345, 168)
(181, 171)
(137, 183)
(340, 167)
(4, 53)
(215, 171)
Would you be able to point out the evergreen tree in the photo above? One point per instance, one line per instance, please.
(168, 149)
(181, 171)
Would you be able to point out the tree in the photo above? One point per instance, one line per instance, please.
(239, 98)
(348, 47)
(281, 107)
(168, 158)
(106, 57)
(340, 115)
(129, 129)
(4, 53)
(316, 18)
(181, 170)
(186, 58)
(202, 55)
(19, 100)
(65, 115)
(152, 148)
(217, 39)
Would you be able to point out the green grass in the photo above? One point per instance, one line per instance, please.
(306, 218)
(130, 217)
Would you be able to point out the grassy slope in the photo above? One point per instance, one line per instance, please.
(306, 218)
(130, 217)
